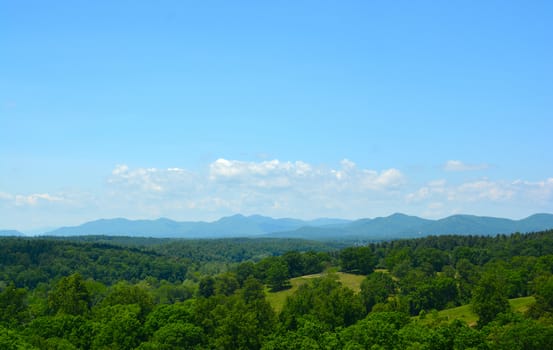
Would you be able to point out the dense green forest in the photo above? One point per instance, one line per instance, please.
(124, 293)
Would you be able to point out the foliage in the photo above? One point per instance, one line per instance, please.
(327, 300)
(278, 299)
(489, 298)
(28, 262)
(12, 306)
(544, 297)
(70, 296)
(377, 288)
(359, 260)
(277, 275)
(86, 294)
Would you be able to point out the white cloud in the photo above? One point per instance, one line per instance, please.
(6, 196)
(34, 199)
(433, 188)
(485, 190)
(541, 191)
(150, 180)
(457, 165)
(419, 195)
(120, 169)
(390, 178)
(349, 176)
(277, 174)
(485, 196)
(347, 164)
(266, 174)
(268, 187)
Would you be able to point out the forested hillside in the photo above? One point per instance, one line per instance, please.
(117, 293)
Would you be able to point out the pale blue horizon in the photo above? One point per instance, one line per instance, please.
(198, 110)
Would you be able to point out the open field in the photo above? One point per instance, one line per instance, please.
(521, 304)
(278, 299)
(465, 313)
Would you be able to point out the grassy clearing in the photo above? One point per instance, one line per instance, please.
(521, 304)
(464, 313)
(278, 299)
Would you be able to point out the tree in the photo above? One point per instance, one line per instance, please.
(399, 261)
(13, 306)
(207, 287)
(70, 296)
(544, 297)
(376, 288)
(166, 314)
(295, 263)
(325, 299)
(226, 284)
(11, 340)
(520, 335)
(489, 298)
(252, 290)
(468, 277)
(435, 257)
(239, 328)
(179, 335)
(76, 330)
(253, 296)
(377, 331)
(124, 293)
(435, 293)
(278, 275)
(359, 260)
(244, 270)
(119, 327)
(314, 262)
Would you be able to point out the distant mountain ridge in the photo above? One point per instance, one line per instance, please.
(230, 226)
(380, 228)
(403, 226)
(12, 233)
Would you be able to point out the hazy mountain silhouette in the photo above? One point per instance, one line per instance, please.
(404, 226)
(10, 233)
(390, 227)
(230, 226)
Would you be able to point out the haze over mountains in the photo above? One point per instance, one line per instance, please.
(230, 226)
(10, 233)
(380, 228)
(404, 226)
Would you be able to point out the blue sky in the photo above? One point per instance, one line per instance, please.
(197, 110)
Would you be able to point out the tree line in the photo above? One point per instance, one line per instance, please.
(57, 294)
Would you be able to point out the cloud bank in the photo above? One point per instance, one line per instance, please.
(270, 187)
(281, 189)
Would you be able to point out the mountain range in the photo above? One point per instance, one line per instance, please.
(398, 226)
(380, 228)
(8, 233)
(230, 226)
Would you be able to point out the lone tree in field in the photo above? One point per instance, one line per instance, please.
(278, 275)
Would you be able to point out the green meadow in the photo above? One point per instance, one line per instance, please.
(278, 299)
